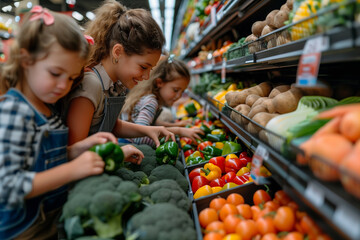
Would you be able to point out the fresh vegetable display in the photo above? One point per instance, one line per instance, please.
(112, 155)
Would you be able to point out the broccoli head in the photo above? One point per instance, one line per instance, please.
(139, 177)
(166, 190)
(162, 221)
(168, 172)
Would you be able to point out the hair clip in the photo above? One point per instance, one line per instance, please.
(89, 39)
(42, 14)
(171, 58)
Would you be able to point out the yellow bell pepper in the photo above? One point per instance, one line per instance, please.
(219, 145)
(219, 124)
(232, 86)
(216, 189)
(264, 172)
(248, 165)
(217, 132)
(230, 156)
(242, 171)
(203, 191)
(229, 185)
(210, 171)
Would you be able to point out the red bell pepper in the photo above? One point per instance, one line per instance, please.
(203, 145)
(195, 172)
(188, 152)
(243, 154)
(239, 180)
(245, 160)
(198, 182)
(228, 177)
(218, 161)
(217, 183)
(233, 165)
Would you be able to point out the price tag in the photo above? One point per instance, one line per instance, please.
(223, 71)
(261, 154)
(314, 194)
(310, 61)
(348, 221)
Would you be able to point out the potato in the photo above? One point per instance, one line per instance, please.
(256, 109)
(287, 101)
(289, 4)
(262, 119)
(279, 89)
(270, 18)
(280, 18)
(267, 29)
(271, 43)
(244, 110)
(259, 101)
(263, 89)
(283, 38)
(257, 27)
(251, 99)
(269, 105)
(285, 8)
(232, 98)
(253, 47)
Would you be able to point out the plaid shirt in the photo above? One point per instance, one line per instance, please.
(19, 135)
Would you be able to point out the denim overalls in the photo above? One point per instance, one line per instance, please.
(50, 152)
(112, 109)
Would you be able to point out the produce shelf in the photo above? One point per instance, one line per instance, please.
(339, 209)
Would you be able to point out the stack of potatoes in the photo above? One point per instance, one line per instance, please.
(274, 20)
(261, 103)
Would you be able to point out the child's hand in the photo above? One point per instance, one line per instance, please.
(183, 123)
(155, 132)
(87, 164)
(132, 154)
(98, 138)
(191, 133)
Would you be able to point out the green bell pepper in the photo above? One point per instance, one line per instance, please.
(167, 153)
(187, 147)
(231, 147)
(190, 108)
(194, 160)
(215, 137)
(205, 128)
(111, 154)
(211, 151)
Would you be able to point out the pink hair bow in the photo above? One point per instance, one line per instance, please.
(42, 13)
(89, 39)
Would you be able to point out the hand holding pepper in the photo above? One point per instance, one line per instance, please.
(167, 153)
(112, 155)
(132, 154)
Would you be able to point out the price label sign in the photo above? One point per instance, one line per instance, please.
(223, 71)
(261, 153)
(310, 61)
(315, 194)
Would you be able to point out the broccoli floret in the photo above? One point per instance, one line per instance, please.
(162, 221)
(179, 166)
(166, 190)
(100, 203)
(138, 177)
(168, 172)
(147, 165)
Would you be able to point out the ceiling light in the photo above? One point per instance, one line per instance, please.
(90, 15)
(78, 16)
(7, 8)
(16, 4)
(154, 4)
(29, 5)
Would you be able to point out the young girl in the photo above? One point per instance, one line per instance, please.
(128, 45)
(45, 60)
(143, 104)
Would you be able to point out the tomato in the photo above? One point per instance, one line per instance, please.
(244, 210)
(265, 225)
(213, 236)
(293, 205)
(217, 203)
(217, 226)
(272, 205)
(308, 226)
(247, 229)
(270, 236)
(294, 236)
(235, 199)
(207, 216)
(255, 210)
(282, 197)
(207, 10)
(261, 196)
(198, 182)
(226, 210)
(284, 219)
(231, 221)
(195, 172)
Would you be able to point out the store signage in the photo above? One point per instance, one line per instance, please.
(310, 61)
(261, 154)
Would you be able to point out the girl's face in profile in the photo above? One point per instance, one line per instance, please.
(135, 68)
(170, 92)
